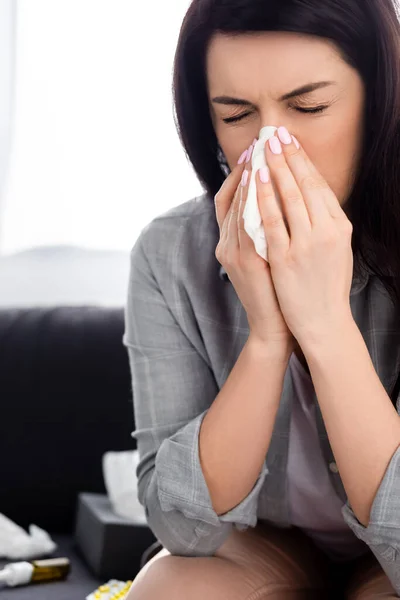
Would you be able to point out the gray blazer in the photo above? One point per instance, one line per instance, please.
(185, 328)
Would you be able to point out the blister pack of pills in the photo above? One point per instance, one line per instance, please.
(113, 590)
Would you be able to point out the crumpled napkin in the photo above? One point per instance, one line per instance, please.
(119, 472)
(16, 543)
(252, 219)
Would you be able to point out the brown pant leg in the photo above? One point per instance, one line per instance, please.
(256, 564)
(368, 581)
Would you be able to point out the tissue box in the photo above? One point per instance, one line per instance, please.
(111, 545)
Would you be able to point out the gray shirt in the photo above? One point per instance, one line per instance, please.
(314, 506)
(185, 328)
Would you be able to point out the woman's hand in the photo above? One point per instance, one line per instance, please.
(312, 264)
(248, 272)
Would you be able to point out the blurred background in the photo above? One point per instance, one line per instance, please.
(89, 153)
(89, 156)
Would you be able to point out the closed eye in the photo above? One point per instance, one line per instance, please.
(318, 109)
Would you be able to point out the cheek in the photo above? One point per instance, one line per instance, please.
(336, 161)
(232, 156)
(233, 142)
(233, 151)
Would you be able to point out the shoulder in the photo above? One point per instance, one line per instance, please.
(180, 237)
(189, 215)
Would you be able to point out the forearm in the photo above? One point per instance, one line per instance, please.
(362, 424)
(236, 432)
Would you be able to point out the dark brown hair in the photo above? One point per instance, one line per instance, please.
(367, 34)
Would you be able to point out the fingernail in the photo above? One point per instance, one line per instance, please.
(242, 157)
(249, 153)
(296, 142)
(284, 135)
(275, 145)
(264, 174)
(245, 177)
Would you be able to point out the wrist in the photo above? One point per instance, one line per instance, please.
(329, 337)
(279, 351)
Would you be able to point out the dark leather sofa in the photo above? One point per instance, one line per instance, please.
(66, 398)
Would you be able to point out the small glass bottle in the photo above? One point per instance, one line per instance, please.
(36, 571)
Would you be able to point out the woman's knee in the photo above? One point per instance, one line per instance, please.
(189, 578)
(258, 563)
(155, 577)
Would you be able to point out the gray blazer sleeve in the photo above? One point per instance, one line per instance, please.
(383, 532)
(173, 388)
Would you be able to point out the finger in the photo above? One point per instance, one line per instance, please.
(299, 171)
(276, 233)
(233, 233)
(246, 243)
(293, 204)
(223, 198)
(225, 227)
(303, 187)
(231, 240)
(230, 236)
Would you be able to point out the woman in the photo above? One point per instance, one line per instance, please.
(267, 419)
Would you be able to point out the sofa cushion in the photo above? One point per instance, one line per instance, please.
(66, 399)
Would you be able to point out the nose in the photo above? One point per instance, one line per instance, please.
(272, 116)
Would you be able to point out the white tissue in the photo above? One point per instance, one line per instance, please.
(16, 543)
(119, 471)
(252, 219)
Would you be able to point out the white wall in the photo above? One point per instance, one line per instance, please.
(93, 86)
(7, 73)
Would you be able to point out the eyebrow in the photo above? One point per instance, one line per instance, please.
(301, 91)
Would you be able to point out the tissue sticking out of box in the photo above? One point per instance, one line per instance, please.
(252, 219)
(119, 471)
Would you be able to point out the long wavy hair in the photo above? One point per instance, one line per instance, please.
(367, 34)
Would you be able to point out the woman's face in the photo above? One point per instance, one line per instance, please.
(261, 69)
